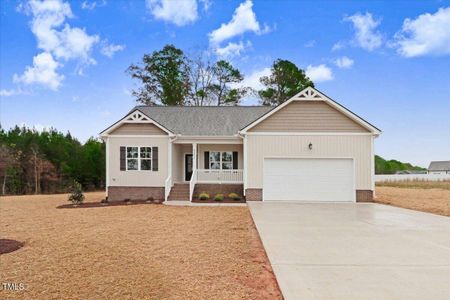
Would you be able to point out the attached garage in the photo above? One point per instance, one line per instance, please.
(310, 148)
(309, 179)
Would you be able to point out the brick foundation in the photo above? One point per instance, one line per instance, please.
(253, 194)
(364, 196)
(361, 195)
(120, 193)
(213, 189)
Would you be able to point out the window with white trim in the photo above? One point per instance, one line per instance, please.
(139, 158)
(220, 160)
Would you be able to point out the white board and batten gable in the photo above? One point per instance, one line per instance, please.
(310, 94)
(135, 117)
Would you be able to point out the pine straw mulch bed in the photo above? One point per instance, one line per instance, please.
(435, 201)
(226, 200)
(132, 252)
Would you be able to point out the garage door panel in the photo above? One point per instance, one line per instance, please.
(308, 179)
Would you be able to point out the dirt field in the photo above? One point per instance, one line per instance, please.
(132, 252)
(436, 201)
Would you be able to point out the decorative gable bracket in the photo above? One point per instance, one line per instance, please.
(137, 116)
(309, 94)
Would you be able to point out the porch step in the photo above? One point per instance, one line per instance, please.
(179, 191)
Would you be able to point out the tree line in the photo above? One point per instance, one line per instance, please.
(170, 77)
(33, 162)
(383, 166)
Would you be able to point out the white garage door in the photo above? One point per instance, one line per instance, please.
(308, 179)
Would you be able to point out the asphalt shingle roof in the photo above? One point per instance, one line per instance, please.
(204, 120)
(439, 166)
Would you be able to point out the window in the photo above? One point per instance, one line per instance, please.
(132, 158)
(220, 160)
(139, 158)
(146, 158)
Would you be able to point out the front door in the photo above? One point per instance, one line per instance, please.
(187, 167)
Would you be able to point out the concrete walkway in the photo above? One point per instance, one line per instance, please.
(355, 251)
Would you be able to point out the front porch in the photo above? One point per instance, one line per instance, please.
(205, 166)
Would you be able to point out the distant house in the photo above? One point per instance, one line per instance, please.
(439, 167)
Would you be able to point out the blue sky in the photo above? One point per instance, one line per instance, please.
(62, 64)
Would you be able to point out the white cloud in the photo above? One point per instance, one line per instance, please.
(110, 49)
(344, 62)
(243, 20)
(428, 34)
(366, 35)
(59, 41)
(11, 92)
(232, 49)
(67, 43)
(252, 79)
(42, 72)
(75, 43)
(178, 12)
(319, 73)
(92, 5)
(338, 46)
(7, 93)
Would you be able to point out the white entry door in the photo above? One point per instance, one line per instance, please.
(309, 179)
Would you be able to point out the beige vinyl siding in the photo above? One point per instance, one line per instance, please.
(308, 116)
(220, 147)
(357, 147)
(138, 129)
(137, 178)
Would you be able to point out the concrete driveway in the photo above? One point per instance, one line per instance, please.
(355, 251)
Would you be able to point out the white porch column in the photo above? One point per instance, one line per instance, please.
(169, 160)
(194, 157)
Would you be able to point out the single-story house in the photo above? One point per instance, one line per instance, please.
(310, 148)
(439, 167)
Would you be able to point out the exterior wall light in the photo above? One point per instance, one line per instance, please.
(310, 146)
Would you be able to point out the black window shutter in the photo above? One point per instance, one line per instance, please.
(206, 163)
(123, 161)
(235, 160)
(155, 158)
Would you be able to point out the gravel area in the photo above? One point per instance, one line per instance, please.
(132, 252)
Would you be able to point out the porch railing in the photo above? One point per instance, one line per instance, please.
(220, 176)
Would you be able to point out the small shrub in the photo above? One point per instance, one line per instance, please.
(76, 197)
(203, 196)
(150, 199)
(234, 196)
(219, 197)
